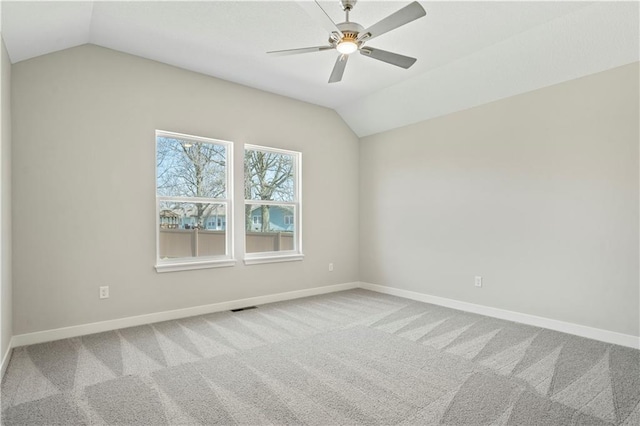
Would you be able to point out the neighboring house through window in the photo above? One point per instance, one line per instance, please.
(288, 220)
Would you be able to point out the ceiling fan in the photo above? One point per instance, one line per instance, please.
(348, 37)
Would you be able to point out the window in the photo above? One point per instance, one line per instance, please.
(272, 205)
(193, 195)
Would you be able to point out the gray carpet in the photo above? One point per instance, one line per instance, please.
(354, 357)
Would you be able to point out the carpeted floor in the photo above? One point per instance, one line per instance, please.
(354, 357)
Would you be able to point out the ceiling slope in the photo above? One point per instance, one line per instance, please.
(468, 53)
(590, 40)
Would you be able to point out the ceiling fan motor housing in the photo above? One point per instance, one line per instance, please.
(350, 31)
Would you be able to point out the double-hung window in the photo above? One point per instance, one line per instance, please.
(272, 189)
(193, 202)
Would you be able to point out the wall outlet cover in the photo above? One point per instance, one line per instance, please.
(104, 292)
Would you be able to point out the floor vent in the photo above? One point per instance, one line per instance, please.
(244, 309)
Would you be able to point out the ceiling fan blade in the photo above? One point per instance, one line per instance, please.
(338, 69)
(403, 16)
(298, 51)
(388, 57)
(316, 11)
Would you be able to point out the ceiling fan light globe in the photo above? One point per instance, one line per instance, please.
(347, 47)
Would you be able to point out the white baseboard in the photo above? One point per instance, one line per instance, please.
(562, 326)
(5, 359)
(98, 327)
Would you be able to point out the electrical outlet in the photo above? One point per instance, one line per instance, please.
(478, 281)
(104, 292)
(331, 267)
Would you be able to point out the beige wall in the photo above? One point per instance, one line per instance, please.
(538, 194)
(84, 186)
(5, 206)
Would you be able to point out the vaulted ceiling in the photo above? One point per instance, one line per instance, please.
(469, 53)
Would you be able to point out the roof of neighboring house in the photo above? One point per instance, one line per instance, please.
(192, 211)
(288, 209)
(168, 213)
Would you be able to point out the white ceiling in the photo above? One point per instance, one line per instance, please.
(469, 53)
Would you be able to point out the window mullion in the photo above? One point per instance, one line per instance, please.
(193, 199)
(271, 202)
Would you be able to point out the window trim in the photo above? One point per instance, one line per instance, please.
(189, 266)
(287, 255)
(257, 260)
(203, 262)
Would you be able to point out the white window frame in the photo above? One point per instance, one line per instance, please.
(185, 264)
(285, 255)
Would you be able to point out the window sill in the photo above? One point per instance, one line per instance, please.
(273, 259)
(188, 266)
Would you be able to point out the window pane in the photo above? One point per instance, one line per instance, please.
(192, 230)
(188, 168)
(269, 228)
(268, 176)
